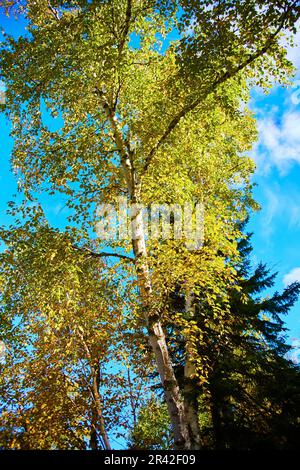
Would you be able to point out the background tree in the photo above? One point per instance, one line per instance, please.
(251, 396)
(255, 400)
(65, 335)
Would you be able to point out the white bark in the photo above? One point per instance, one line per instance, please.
(158, 340)
(157, 337)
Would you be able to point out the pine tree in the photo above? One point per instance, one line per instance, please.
(251, 395)
(254, 387)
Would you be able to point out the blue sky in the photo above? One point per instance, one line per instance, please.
(277, 154)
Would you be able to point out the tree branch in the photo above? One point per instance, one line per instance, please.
(126, 26)
(53, 11)
(223, 78)
(123, 146)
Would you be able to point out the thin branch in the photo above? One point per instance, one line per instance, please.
(117, 96)
(131, 396)
(258, 404)
(103, 254)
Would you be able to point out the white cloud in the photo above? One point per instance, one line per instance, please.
(294, 354)
(280, 208)
(2, 92)
(292, 276)
(279, 140)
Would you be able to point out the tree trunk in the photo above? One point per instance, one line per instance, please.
(157, 338)
(98, 406)
(216, 414)
(189, 392)
(93, 437)
(98, 422)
